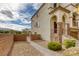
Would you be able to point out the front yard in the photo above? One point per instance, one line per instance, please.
(45, 45)
(71, 51)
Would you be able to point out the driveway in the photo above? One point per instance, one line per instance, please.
(23, 48)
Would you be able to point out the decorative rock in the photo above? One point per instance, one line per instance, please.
(74, 51)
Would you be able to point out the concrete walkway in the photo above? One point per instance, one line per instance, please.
(23, 48)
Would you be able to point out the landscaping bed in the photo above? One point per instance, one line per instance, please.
(45, 44)
(69, 44)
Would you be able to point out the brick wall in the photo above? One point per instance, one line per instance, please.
(20, 37)
(6, 42)
(36, 37)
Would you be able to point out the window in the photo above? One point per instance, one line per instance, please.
(55, 5)
(37, 24)
(74, 20)
(63, 18)
(55, 27)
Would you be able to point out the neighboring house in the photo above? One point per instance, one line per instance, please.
(54, 18)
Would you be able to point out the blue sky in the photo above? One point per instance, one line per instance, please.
(17, 16)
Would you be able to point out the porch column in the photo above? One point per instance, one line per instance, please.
(59, 27)
(29, 38)
(59, 31)
(68, 30)
(52, 30)
(70, 19)
(65, 29)
(67, 25)
(78, 29)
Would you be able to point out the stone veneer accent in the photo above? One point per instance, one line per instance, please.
(59, 31)
(68, 29)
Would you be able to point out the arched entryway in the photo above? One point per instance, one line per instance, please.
(55, 25)
(59, 22)
(53, 22)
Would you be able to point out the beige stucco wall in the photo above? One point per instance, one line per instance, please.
(44, 22)
(44, 19)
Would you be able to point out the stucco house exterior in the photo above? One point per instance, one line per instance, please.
(55, 19)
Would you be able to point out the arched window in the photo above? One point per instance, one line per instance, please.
(54, 23)
(63, 18)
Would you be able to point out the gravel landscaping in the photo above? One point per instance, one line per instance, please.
(22, 48)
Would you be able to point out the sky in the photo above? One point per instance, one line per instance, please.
(17, 16)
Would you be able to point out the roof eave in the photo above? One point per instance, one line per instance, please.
(38, 10)
(60, 8)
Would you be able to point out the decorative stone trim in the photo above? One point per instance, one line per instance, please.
(59, 31)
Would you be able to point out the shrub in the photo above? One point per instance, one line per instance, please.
(54, 46)
(6, 31)
(73, 51)
(69, 43)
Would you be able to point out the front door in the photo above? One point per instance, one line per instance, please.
(55, 27)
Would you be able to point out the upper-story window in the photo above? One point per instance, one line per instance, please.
(63, 18)
(55, 5)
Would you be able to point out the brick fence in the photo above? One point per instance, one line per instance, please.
(6, 42)
(20, 37)
(36, 37)
(23, 37)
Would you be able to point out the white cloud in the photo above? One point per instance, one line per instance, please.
(14, 8)
(24, 21)
(4, 17)
(10, 6)
(15, 15)
(13, 26)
